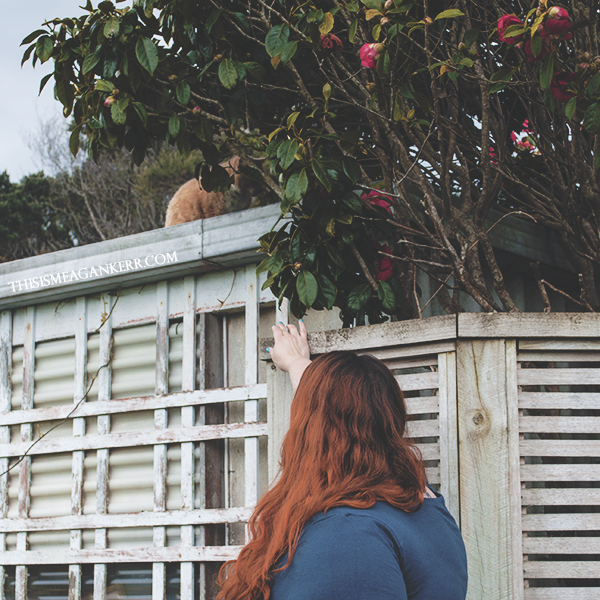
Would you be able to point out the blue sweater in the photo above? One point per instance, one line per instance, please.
(378, 553)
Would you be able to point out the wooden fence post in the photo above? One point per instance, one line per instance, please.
(279, 402)
(489, 467)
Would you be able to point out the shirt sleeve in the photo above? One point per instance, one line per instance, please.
(343, 557)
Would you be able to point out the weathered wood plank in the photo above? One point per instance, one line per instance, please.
(418, 381)
(251, 377)
(425, 428)
(433, 475)
(561, 545)
(561, 593)
(558, 344)
(111, 556)
(538, 325)
(583, 448)
(188, 418)
(559, 357)
(560, 497)
(102, 454)
(138, 438)
(559, 425)
(425, 404)
(161, 387)
(5, 406)
(78, 431)
(514, 483)
(556, 569)
(448, 432)
(24, 492)
(485, 456)
(559, 376)
(380, 336)
(430, 452)
(126, 405)
(428, 351)
(279, 402)
(560, 472)
(562, 522)
(178, 518)
(559, 400)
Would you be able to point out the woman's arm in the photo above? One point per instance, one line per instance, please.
(291, 352)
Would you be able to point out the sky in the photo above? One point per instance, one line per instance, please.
(21, 110)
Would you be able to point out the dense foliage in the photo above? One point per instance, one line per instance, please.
(392, 128)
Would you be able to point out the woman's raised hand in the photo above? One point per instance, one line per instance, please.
(291, 352)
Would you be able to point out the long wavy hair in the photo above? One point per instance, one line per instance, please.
(345, 447)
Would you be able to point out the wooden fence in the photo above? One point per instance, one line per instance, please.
(506, 410)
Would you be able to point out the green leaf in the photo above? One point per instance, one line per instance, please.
(536, 43)
(450, 14)
(591, 118)
(27, 54)
(383, 64)
(386, 295)
(215, 178)
(358, 297)
(112, 27)
(32, 36)
(212, 19)
(242, 19)
(141, 112)
(570, 108)
(44, 82)
(91, 60)
(106, 6)
(183, 93)
(326, 92)
(104, 86)
(296, 186)
(174, 125)
(44, 47)
(276, 39)
(147, 54)
(74, 141)
(326, 24)
(292, 119)
(351, 168)
(228, 73)
(328, 290)
(117, 113)
(307, 288)
(352, 31)
(591, 89)
(288, 51)
(547, 71)
(256, 70)
(321, 173)
(286, 152)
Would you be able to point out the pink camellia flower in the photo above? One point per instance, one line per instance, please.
(513, 137)
(531, 57)
(369, 53)
(378, 199)
(504, 23)
(196, 110)
(526, 126)
(385, 266)
(110, 101)
(558, 22)
(331, 43)
(493, 156)
(559, 85)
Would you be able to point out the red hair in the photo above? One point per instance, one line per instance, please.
(345, 447)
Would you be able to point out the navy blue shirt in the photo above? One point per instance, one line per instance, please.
(378, 553)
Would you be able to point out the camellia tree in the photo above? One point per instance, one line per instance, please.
(391, 128)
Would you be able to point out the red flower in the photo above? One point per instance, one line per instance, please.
(558, 22)
(378, 199)
(369, 53)
(504, 23)
(331, 43)
(493, 156)
(385, 265)
(543, 52)
(559, 84)
(513, 137)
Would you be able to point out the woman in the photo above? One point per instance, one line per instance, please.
(350, 516)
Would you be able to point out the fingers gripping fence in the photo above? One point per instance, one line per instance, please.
(165, 476)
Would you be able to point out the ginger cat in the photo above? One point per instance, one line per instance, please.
(190, 202)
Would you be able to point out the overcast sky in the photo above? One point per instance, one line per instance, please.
(21, 110)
